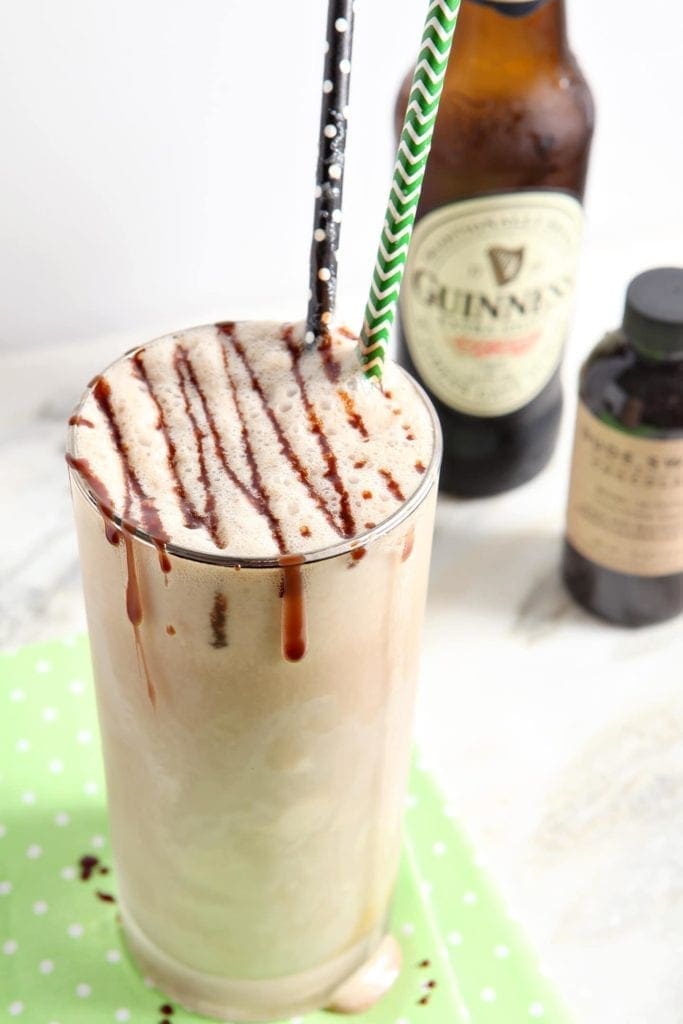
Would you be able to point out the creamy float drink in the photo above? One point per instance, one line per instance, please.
(255, 630)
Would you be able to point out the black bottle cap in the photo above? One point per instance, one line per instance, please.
(653, 318)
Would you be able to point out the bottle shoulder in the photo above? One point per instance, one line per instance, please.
(530, 133)
(641, 396)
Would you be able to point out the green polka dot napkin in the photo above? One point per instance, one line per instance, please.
(61, 956)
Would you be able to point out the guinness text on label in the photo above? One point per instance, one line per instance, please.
(481, 306)
(487, 297)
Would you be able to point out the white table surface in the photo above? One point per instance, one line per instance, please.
(558, 740)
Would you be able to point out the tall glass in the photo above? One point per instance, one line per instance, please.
(255, 791)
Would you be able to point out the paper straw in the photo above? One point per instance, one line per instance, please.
(411, 160)
(330, 174)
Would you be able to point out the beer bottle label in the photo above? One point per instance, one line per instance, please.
(512, 8)
(487, 296)
(625, 509)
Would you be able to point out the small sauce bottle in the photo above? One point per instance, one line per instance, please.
(623, 556)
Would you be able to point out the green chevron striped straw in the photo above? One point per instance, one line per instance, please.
(411, 160)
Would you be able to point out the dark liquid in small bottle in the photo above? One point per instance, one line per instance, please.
(640, 395)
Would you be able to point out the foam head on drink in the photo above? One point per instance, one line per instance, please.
(255, 525)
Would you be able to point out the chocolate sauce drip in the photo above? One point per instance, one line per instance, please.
(102, 395)
(80, 421)
(408, 544)
(219, 618)
(420, 467)
(293, 609)
(423, 1001)
(352, 414)
(256, 478)
(97, 486)
(151, 689)
(150, 519)
(210, 517)
(358, 553)
(106, 897)
(134, 611)
(315, 426)
(425, 963)
(101, 494)
(392, 484)
(170, 630)
(285, 446)
(87, 865)
(133, 597)
(191, 518)
(112, 533)
(331, 367)
(166, 1009)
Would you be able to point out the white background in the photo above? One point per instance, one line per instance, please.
(158, 156)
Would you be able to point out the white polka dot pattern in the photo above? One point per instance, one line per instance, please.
(61, 959)
(330, 170)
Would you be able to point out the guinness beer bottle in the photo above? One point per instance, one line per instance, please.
(491, 269)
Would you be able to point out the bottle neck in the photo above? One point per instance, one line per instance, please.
(503, 33)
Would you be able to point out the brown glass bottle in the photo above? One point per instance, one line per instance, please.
(490, 276)
(623, 557)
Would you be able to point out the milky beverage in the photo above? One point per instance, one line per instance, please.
(255, 632)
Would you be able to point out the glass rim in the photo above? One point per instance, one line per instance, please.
(340, 548)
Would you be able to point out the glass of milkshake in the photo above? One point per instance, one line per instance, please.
(255, 523)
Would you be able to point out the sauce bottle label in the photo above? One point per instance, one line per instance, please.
(625, 509)
(487, 296)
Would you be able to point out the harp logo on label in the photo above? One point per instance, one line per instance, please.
(506, 263)
(487, 295)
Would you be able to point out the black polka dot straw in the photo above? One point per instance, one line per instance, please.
(330, 179)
